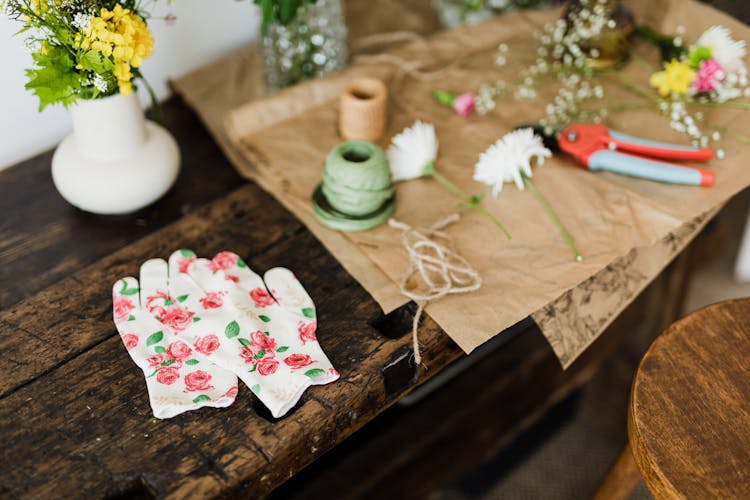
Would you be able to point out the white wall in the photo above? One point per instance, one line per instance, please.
(205, 30)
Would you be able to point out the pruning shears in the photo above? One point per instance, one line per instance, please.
(597, 147)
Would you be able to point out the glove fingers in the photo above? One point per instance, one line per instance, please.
(289, 292)
(184, 288)
(154, 285)
(234, 269)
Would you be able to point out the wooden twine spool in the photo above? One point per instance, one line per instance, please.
(363, 108)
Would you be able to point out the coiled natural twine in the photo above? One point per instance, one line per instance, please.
(434, 269)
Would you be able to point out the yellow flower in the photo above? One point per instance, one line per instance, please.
(122, 36)
(675, 79)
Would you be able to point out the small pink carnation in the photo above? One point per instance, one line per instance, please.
(709, 73)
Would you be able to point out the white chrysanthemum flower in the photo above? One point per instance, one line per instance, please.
(412, 151)
(728, 52)
(508, 157)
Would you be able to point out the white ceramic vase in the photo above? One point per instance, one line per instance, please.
(115, 161)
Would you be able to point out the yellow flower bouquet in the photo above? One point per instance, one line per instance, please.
(82, 48)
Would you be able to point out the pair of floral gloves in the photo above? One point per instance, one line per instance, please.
(195, 325)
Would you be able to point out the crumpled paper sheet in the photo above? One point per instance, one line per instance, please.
(627, 229)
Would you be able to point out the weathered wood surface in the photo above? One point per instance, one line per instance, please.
(74, 415)
(689, 411)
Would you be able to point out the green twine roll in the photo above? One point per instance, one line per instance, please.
(357, 191)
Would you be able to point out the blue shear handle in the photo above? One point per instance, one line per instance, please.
(635, 166)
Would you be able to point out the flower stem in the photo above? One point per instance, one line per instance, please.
(564, 232)
(471, 201)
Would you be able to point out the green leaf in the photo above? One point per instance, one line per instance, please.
(241, 263)
(192, 362)
(168, 302)
(131, 318)
(94, 62)
(244, 342)
(54, 78)
(264, 319)
(267, 7)
(287, 10)
(267, 334)
(154, 338)
(260, 354)
(232, 330)
(201, 398)
(196, 319)
(127, 291)
(182, 298)
(159, 349)
(154, 373)
(308, 312)
(167, 362)
(251, 370)
(315, 372)
(282, 348)
(186, 252)
(255, 389)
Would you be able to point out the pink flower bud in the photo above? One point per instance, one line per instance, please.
(464, 104)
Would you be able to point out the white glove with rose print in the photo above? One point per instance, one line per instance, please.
(241, 327)
(177, 378)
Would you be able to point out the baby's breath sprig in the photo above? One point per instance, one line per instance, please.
(565, 53)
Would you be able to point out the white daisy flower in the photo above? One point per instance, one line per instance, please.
(413, 151)
(728, 52)
(505, 160)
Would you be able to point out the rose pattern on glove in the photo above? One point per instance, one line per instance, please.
(261, 297)
(260, 342)
(213, 300)
(267, 366)
(130, 340)
(307, 332)
(223, 260)
(175, 317)
(198, 381)
(185, 263)
(157, 359)
(297, 361)
(167, 375)
(121, 308)
(179, 350)
(207, 344)
(162, 297)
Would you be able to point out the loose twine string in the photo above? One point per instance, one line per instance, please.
(434, 270)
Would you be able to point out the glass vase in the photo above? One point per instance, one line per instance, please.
(313, 43)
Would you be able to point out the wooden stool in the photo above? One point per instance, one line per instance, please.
(689, 413)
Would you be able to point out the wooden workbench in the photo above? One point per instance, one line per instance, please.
(74, 415)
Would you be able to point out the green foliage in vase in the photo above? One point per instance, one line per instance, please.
(82, 48)
(279, 11)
